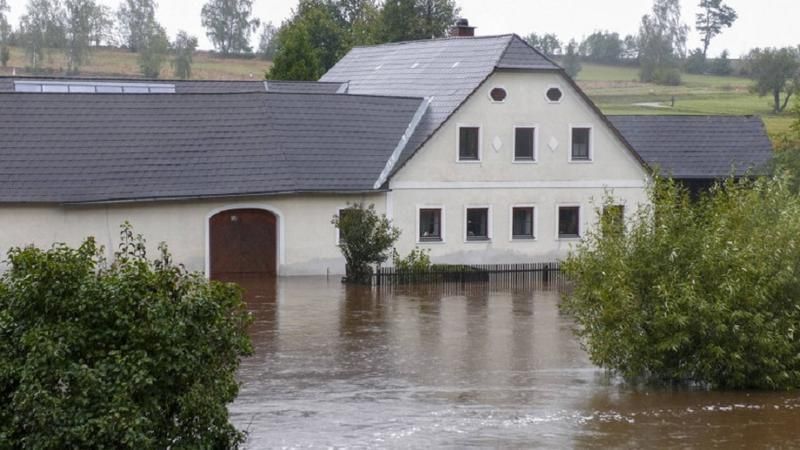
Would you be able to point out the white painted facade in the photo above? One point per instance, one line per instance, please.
(433, 178)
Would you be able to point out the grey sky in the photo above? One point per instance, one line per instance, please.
(761, 22)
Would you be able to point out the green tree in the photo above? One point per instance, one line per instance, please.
(436, 17)
(408, 20)
(696, 62)
(776, 72)
(296, 58)
(571, 60)
(268, 41)
(5, 33)
(153, 53)
(78, 28)
(722, 65)
(697, 291)
(365, 239)
(136, 20)
(602, 46)
(102, 25)
(630, 47)
(362, 20)
(184, 48)
(41, 29)
(229, 24)
(310, 43)
(662, 42)
(714, 16)
(133, 354)
(549, 44)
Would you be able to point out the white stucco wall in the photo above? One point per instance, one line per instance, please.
(434, 177)
(307, 240)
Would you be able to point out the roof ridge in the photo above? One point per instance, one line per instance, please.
(201, 94)
(547, 58)
(115, 78)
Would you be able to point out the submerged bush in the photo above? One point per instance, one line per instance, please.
(135, 354)
(365, 239)
(418, 260)
(704, 291)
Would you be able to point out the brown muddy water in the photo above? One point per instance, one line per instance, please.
(337, 366)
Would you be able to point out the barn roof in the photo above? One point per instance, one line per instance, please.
(75, 148)
(698, 147)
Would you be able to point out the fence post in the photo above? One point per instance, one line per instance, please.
(546, 273)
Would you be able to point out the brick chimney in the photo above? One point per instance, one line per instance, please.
(462, 29)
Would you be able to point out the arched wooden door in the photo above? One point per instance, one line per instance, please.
(243, 242)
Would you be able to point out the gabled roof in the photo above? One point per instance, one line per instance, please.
(7, 84)
(75, 148)
(698, 147)
(447, 71)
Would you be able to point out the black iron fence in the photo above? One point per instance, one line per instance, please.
(488, 274)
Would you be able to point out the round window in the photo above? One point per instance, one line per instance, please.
(498, 94)
(554, 94)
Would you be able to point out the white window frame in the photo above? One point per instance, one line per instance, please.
(514, 159)
(442, 225)
(554, 86)
(535, 222)
(580, 221)
(489, 224)
(489, 94)
(458, 143)
(573, 126)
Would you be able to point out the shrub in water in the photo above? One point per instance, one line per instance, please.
(704, 291)
(365, 239)
(138, 354)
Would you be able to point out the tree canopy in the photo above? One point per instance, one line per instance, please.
(662, 43)
(79, 31)
(41, 29)
(548, 43)
(712, 18)
(183, 48)
(136, 22)
(409, 20)
(153, 52)
(602, 46)
(776, 72)
(229, 24)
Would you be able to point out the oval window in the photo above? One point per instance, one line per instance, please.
(554, 94)
(498, 94)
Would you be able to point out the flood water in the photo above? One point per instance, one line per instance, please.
(338, 366)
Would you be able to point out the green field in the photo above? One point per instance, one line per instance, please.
(616, 90)
(112, 62)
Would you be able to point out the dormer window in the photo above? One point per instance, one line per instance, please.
(498, 95)
(469, 143)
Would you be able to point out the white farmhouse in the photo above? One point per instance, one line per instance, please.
(479, 148)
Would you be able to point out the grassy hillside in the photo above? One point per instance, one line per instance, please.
(122, 63)
(616, 90)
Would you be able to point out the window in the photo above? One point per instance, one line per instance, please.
(430, 225)
(581, 142)
(554, 95)
(569, 222)
(613, 219)
(477, 224)
(522, 223)
(498, 95)
(525, 144)
(469, 143)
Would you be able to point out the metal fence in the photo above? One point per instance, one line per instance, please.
(494, 275)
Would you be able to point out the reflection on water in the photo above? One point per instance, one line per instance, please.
(354, 367)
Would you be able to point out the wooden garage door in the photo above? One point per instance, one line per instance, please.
(243, 242)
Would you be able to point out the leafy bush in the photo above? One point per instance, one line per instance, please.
(135, 354)
(695, 62)
(704, 291)
(667, 76)
(419, 260)
(365, 239)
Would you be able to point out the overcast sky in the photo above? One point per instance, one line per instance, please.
(761, 22)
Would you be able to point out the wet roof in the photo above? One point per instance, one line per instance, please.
(73, 148)
(698, 147)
